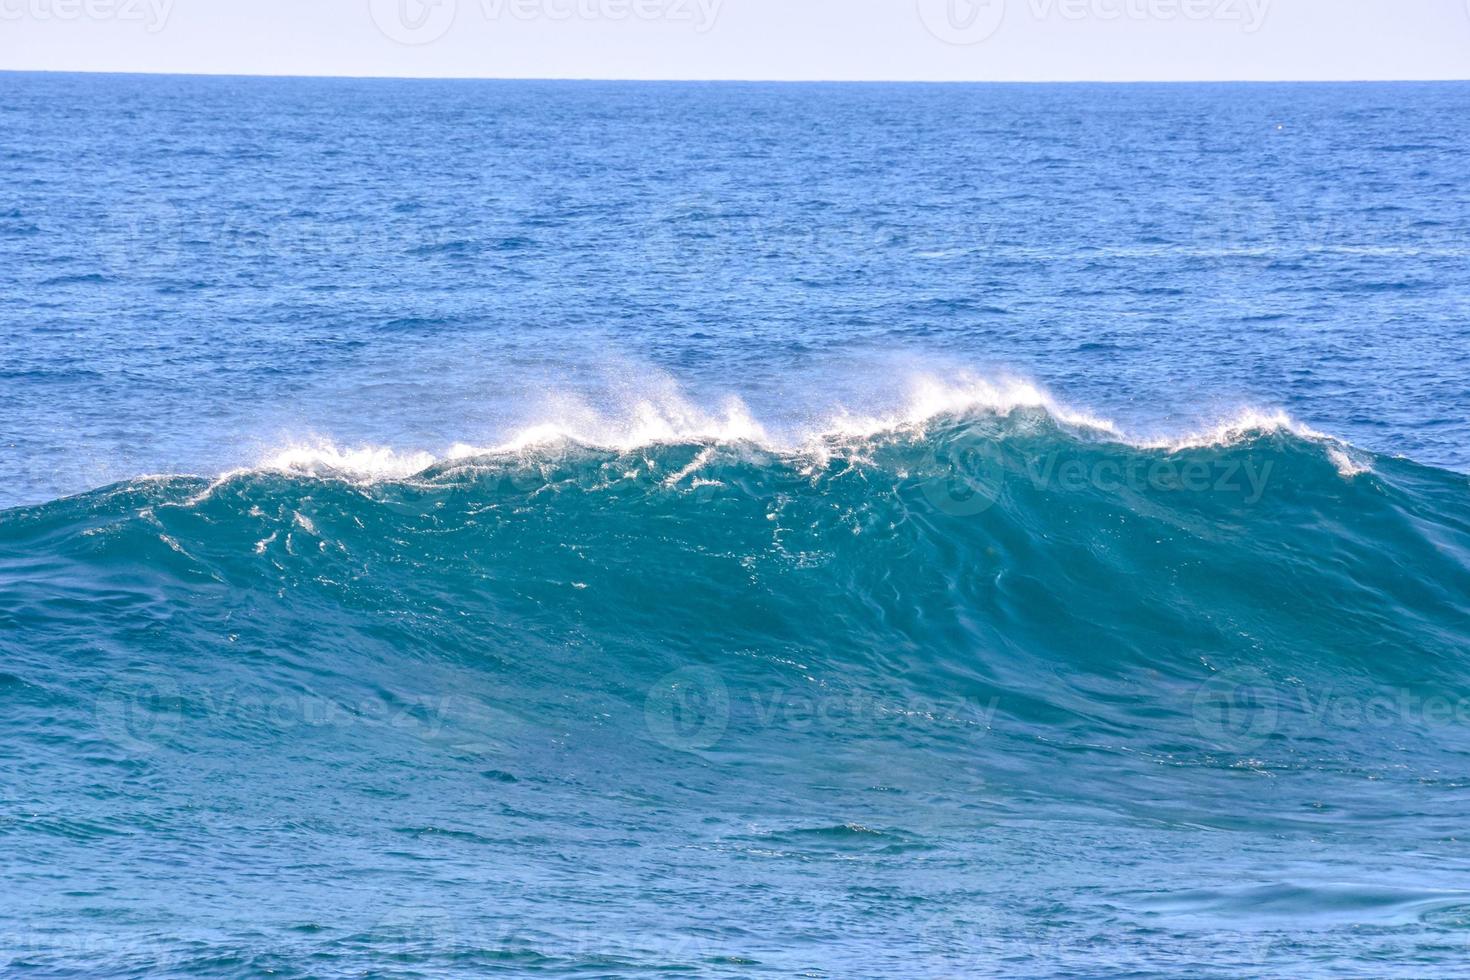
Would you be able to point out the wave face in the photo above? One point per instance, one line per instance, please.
(949, 700)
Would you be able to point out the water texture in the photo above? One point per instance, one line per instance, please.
(726, 530)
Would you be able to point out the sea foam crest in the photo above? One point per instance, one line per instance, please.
(661, 413)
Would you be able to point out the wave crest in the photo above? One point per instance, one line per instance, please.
(661, 414)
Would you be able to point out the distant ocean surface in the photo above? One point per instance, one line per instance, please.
(613, 530)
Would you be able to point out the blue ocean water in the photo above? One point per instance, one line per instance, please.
(583, 529)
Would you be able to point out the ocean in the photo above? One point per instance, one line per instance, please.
(605, 530)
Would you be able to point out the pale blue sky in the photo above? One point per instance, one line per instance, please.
(755, 39)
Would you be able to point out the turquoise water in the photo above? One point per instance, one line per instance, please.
(594, 530)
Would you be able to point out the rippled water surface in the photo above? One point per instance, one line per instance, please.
(859, 530)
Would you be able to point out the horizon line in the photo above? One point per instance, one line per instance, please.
(742, 81)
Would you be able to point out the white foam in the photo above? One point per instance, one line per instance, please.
(1246, 424)
(655, 411)
(930, 398)
(660, 418)
(1348, 462)
(1252, 423)
(322, 458)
